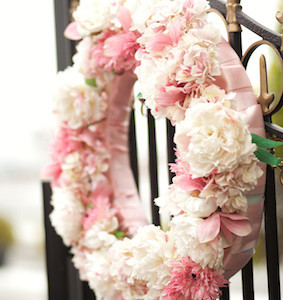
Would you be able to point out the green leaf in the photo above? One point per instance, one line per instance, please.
(139, 95)
(119, 234)
(91, 82)
(113, 72)
(264, 143)
(90, 206)
(267, 157)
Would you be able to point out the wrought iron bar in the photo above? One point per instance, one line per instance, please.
(225, 293)
(170, 147)
(249, 23)
(56, 253)
(65, 47)
(153, 167)
(248, 281)
(133, 148)
(88, 294)
(271, 236)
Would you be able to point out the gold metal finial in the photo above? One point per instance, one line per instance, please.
(279, 17)
(232, 6)
(264, 98)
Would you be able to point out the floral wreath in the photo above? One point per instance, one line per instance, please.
(191, 76)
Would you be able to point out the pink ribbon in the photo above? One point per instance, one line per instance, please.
(130, 212)
(234, 79)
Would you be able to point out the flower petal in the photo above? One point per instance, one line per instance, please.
(175, 32)
(209, 228)
(238, 227)
(72, 33)
(159, 41)
(124, 18)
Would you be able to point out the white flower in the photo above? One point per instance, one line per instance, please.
(152, 252)
(214, 94)
(141, 11)
(72, 169)
(79, 260)
(121, 271)
(97, 272)
(178, 201)
(67, 214)
(183, 232)
(75, 102)
(213, 139)
(83, 64)
(228, 188)
(99, 235)
(93, 16)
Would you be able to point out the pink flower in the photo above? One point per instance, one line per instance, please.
(63, 144)
(160, 40)
(121, 49)
(124, 16)
(183, 178)
(229, 224)
(190, 282)
(168, 95)
(53, 171)
(99, 208)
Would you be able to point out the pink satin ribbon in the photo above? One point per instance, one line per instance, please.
(234, 79)
(130, 212)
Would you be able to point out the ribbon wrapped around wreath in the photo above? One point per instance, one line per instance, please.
(191, 76)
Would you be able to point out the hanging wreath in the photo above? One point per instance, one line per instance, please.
(191, 76)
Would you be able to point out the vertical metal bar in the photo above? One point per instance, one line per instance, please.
(248, 281)
(225, 293)
(133, 148)
(235, 39)
(170, 147)
(153, 167)
(56, 253)
(74, 283)
(271, 236)
(65, 47)
(88, 294)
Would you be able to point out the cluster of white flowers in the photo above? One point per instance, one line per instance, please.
(94, 16)
(76, 103)
(177, 62)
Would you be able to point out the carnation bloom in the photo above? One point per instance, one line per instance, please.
(189, 281)
(213, 139)
(152, 252)
(67, 214)
(76, 103)
(93, 16)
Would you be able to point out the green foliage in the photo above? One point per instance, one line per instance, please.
(119, 234)
(265, 143)
(91, 82)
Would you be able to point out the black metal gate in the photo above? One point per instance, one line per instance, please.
(63, 280)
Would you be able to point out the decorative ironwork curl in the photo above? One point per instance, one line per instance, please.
(265, 98)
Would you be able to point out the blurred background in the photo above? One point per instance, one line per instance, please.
(28, 69)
